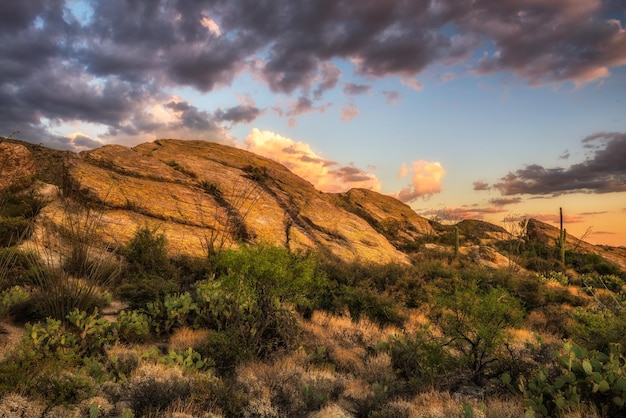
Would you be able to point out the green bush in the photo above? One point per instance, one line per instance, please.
(597, 328)
(361, 301)
(419, 360)
(224, 349)
(146, 252)
(603, 281)
(153, 387)
(132, 326)
(260, 284)
(142, 288)
(595, 377)
(475, 324)
(13, 230)
(15, 205)
(174, 311)
(12, 296)
(63, 387)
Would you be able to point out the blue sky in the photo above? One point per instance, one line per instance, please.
(487, 109)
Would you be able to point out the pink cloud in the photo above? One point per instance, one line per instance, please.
(426, 179)
(302, 160)
(349, 112)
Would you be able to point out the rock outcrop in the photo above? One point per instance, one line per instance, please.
(16, 164)
(200, 194)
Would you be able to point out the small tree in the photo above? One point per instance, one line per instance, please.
(259, 283)
(475, 324)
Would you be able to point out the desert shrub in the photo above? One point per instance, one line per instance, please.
(122, 361)
(258, 285)
(214, 394)
(14, 204)
(132, 326)
(603, 281)
(379, 309)
(62, 387)
(14, 264)
(594, 377)
(142, 288)
(146, 252)
(154, 387)
(16, 405)
(419, 360)
(186, 337)
(13, 230)
(597, 328)
(224, 349)
(475, 324)
(174, 311)
(588, 263)
(56, 293)
(11, 297)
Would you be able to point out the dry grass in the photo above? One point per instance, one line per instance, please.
(185, 337)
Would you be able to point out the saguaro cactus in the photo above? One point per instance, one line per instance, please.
(456, 241)
(562, 237)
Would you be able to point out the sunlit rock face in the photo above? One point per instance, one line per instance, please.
(200, 194)
(16, 164)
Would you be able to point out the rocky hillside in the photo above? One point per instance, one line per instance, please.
(205, 196)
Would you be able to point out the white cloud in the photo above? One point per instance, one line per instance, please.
(302, 160)
(426, 179)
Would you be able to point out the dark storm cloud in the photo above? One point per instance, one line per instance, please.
(238, 114)
(86, 142)
(191, 117)
(120, 58)
(604, 171)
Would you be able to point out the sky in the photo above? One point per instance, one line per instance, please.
(496, 110)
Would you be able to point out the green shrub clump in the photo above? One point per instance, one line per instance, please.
(593, 377)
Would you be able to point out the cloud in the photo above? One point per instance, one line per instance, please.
(352, 89)
(556, 219)
(238, 114)
(505, 201)
(426, 179)
(299, 157)
(349, 112)
(330, 75)
(481, 185)
(305, 105)
(391, 97)
(604, 171)
(119, 58)
(455, 214)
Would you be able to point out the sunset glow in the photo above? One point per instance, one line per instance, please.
(481, 109)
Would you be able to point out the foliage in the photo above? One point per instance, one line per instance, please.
(11, 297)
(141, 289)
(476, 324)
(580, 376)
(419, 359)
(589, 263)
(132, 326)
(174, 311)
(154, 387)
(603, 281)
(597, 328)
(260, 282)
(146, 252)
(189, 360)
(13, 230)
(554, 276)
